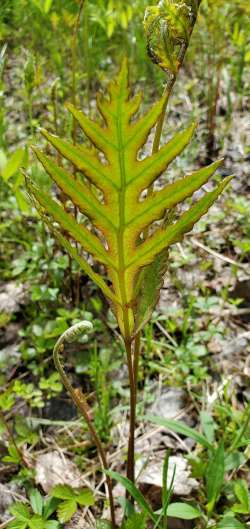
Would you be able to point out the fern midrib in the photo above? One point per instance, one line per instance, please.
(120, 232)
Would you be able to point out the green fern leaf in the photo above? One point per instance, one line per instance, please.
(108, 190)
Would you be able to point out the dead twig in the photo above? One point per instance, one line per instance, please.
(5, 524)
(166, 334)
(220, 256)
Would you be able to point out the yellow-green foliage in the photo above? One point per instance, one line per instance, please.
(118, 215)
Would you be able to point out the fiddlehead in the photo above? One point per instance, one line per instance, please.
(168, 27)
(79, 399)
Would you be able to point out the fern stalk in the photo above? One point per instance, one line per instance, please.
(133, 376)
(80, 401)
(172, 79)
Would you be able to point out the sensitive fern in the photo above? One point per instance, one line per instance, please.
(108, 191)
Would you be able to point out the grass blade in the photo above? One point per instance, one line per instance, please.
(181, 428)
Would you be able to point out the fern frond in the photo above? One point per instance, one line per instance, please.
(119, 217)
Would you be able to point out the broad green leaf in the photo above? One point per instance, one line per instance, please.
(208, 426)
(50, 507)
(137, 520)
(21, 511)
(63, 492)
(17, 524)
(52, 524)
(215, 477)
(230, 522)
(13, 164)
(183, 511)
(65, 510)
(181, 428)
(36, 501)
(135, 493)
(240, 509)
(85, 497)
(234, 460)
(106, 187)
(13, 457)
(36, 522)
(242, 493)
